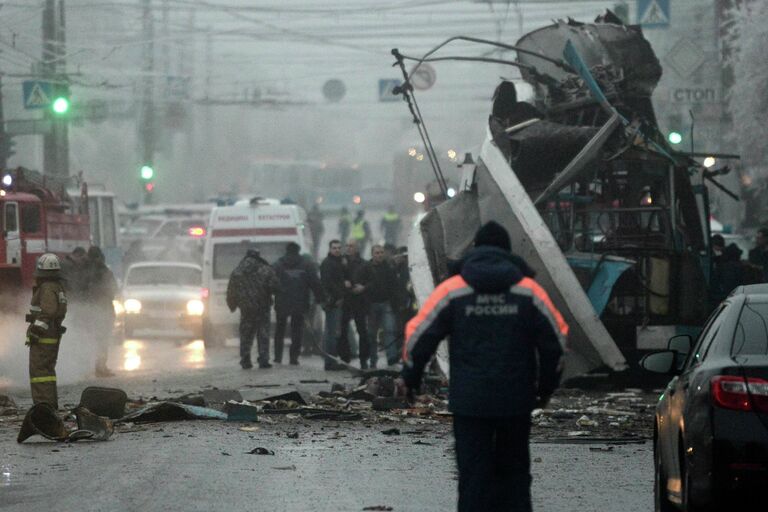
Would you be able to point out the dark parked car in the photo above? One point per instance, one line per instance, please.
(711, 432)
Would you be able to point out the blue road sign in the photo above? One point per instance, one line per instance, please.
(37, 94)
(386, 85)
(653, 13)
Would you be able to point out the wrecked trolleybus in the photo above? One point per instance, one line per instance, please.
(610, 217)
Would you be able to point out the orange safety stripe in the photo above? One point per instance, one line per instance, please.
(540, 294)
(441, 293)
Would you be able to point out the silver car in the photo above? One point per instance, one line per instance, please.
(163, 299)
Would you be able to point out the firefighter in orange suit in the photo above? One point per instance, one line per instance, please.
(47, 311)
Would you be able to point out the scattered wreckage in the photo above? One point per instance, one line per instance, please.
(613, 221)
(574, 416)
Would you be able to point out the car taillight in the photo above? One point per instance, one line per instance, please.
(731, 392)
(204, 292)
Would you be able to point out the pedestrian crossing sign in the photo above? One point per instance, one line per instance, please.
(653, 13)
(37, 94)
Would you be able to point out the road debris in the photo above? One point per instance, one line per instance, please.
(43, 420)
(378, 507)
(100, 427)
(218, 397)
(171, 411)
(391, 431)
(285, 468)
(584, 421)
(283, 399)
(241, 411)
(387, 403)
(107, 402)
(260, 451)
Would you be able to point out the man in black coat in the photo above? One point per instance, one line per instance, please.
(297, 277)
(506, 343)
(378, 285)
(332, 279)
(759, 255)
(355, 307)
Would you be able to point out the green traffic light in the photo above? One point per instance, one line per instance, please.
(60, 105)
(675, 138)
(147, 172)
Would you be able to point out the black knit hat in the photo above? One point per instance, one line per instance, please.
(493, 234)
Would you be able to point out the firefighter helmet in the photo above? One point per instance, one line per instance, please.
(48, 265)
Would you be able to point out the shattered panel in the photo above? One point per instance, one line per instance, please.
(502, 198)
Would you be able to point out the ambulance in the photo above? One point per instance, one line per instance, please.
(258, 223)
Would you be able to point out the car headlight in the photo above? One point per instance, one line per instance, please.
(132, 306)
(119, 309)
(195, 307)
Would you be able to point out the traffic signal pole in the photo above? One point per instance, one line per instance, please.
(4, 141)
(56, 141)
(147, 114)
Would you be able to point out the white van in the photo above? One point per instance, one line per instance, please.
(263, 224)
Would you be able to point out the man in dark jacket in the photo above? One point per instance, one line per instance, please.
(355, 307)
(759, 255)
(506, 344)
(297, 277)
(332, 279)
(73, 269)
(378, 280)
(100, 289)
(316, 227)
(250, 288)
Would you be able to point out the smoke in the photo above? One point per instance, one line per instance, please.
(77, 351)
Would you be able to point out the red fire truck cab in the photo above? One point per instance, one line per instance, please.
(36, 216)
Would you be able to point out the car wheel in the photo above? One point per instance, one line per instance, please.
(661, 500)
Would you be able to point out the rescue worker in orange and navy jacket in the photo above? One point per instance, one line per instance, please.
(506, 344)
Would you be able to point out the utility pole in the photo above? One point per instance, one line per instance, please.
(61, 127)
(5, 141)
(56, 142)
(147, 113)
(169, 106)
(187, 61)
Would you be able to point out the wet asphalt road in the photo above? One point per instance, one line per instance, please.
(330, 466)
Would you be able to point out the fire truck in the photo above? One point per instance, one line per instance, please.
(37, 215)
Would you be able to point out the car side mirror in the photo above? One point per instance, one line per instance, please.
(664, 361)
(681, 343)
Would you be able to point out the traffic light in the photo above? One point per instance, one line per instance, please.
(675, 129)
(147, 172)
(147, 175)
(6, 148)
(60, 102)
(675, 137)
